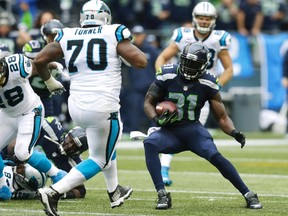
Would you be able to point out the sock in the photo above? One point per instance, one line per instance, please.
(111, 176)
(40, 162)
(73, 179)
(153, 165)
(88, 168)
(229, 172)
(166, 160)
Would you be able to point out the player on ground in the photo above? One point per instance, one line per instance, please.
(23, 180)
(91, 54)
(218, 43)
(189, 86)
(61, 147)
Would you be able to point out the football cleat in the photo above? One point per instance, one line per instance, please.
(164, 200)
(5, 193)
(118, 196)
(59, 176)
(252, 200)
(165, 175)
(49, 198)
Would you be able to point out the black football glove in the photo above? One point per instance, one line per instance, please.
(166, 118)
(239, 137)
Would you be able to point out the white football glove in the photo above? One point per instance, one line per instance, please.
(56, 69)
(54, 86)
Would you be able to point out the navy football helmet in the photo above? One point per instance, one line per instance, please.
(75, 142)
(32, 48)
(50, 29)
(194, 60)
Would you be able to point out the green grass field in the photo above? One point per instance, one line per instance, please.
(197, 189)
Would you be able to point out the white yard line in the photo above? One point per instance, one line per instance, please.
(219, 142)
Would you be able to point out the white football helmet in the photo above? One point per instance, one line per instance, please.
(95, 12)
(30, 178)
(204, 9)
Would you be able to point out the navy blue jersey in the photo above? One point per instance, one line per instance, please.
(190, 96)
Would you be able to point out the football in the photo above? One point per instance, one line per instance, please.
(164, 105)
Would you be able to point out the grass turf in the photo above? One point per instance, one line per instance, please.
(197, 189)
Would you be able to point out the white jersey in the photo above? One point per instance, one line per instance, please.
(216, 41)
(16, 95)
(94, 65)
(16, 190)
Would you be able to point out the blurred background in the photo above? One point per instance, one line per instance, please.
(256, 97)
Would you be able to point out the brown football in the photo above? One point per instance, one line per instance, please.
(164, 105)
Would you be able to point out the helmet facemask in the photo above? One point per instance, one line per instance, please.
(29, 178)
(75, 142)
(3, 71)
(204, 9)
(194, 60)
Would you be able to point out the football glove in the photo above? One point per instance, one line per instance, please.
(56, 69)
(166, 118)
(239, 137)
(54, 86)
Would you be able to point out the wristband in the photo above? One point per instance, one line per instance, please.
(233, 132)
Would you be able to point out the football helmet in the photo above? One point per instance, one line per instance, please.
(4, 50)
(29, 178)
(94, 13)
(51, 27)
(75, 142)
(204, 9)
(194, 60)
(3, 70)
(32, 48)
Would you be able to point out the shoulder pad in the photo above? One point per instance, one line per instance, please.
(167, 71)
(210, 80)
(122, 32)
(224, 38)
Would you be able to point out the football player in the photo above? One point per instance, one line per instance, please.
(62, 148)
(30, 50)
(23, 180)
(23, 114)
(218, 43)
(92, 55)
(189, 86)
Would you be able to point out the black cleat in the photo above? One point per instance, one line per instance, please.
(164, 200)
(252, 200)
(49, 198)
(119, 195)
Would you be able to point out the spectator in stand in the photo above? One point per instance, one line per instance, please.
(274, 14)
(124, 12)
(180, 11)
(250, 17)
(227, 11)
(10, 35)
(25, 12)
(41, 19)
(140, 80)
(155, 14)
